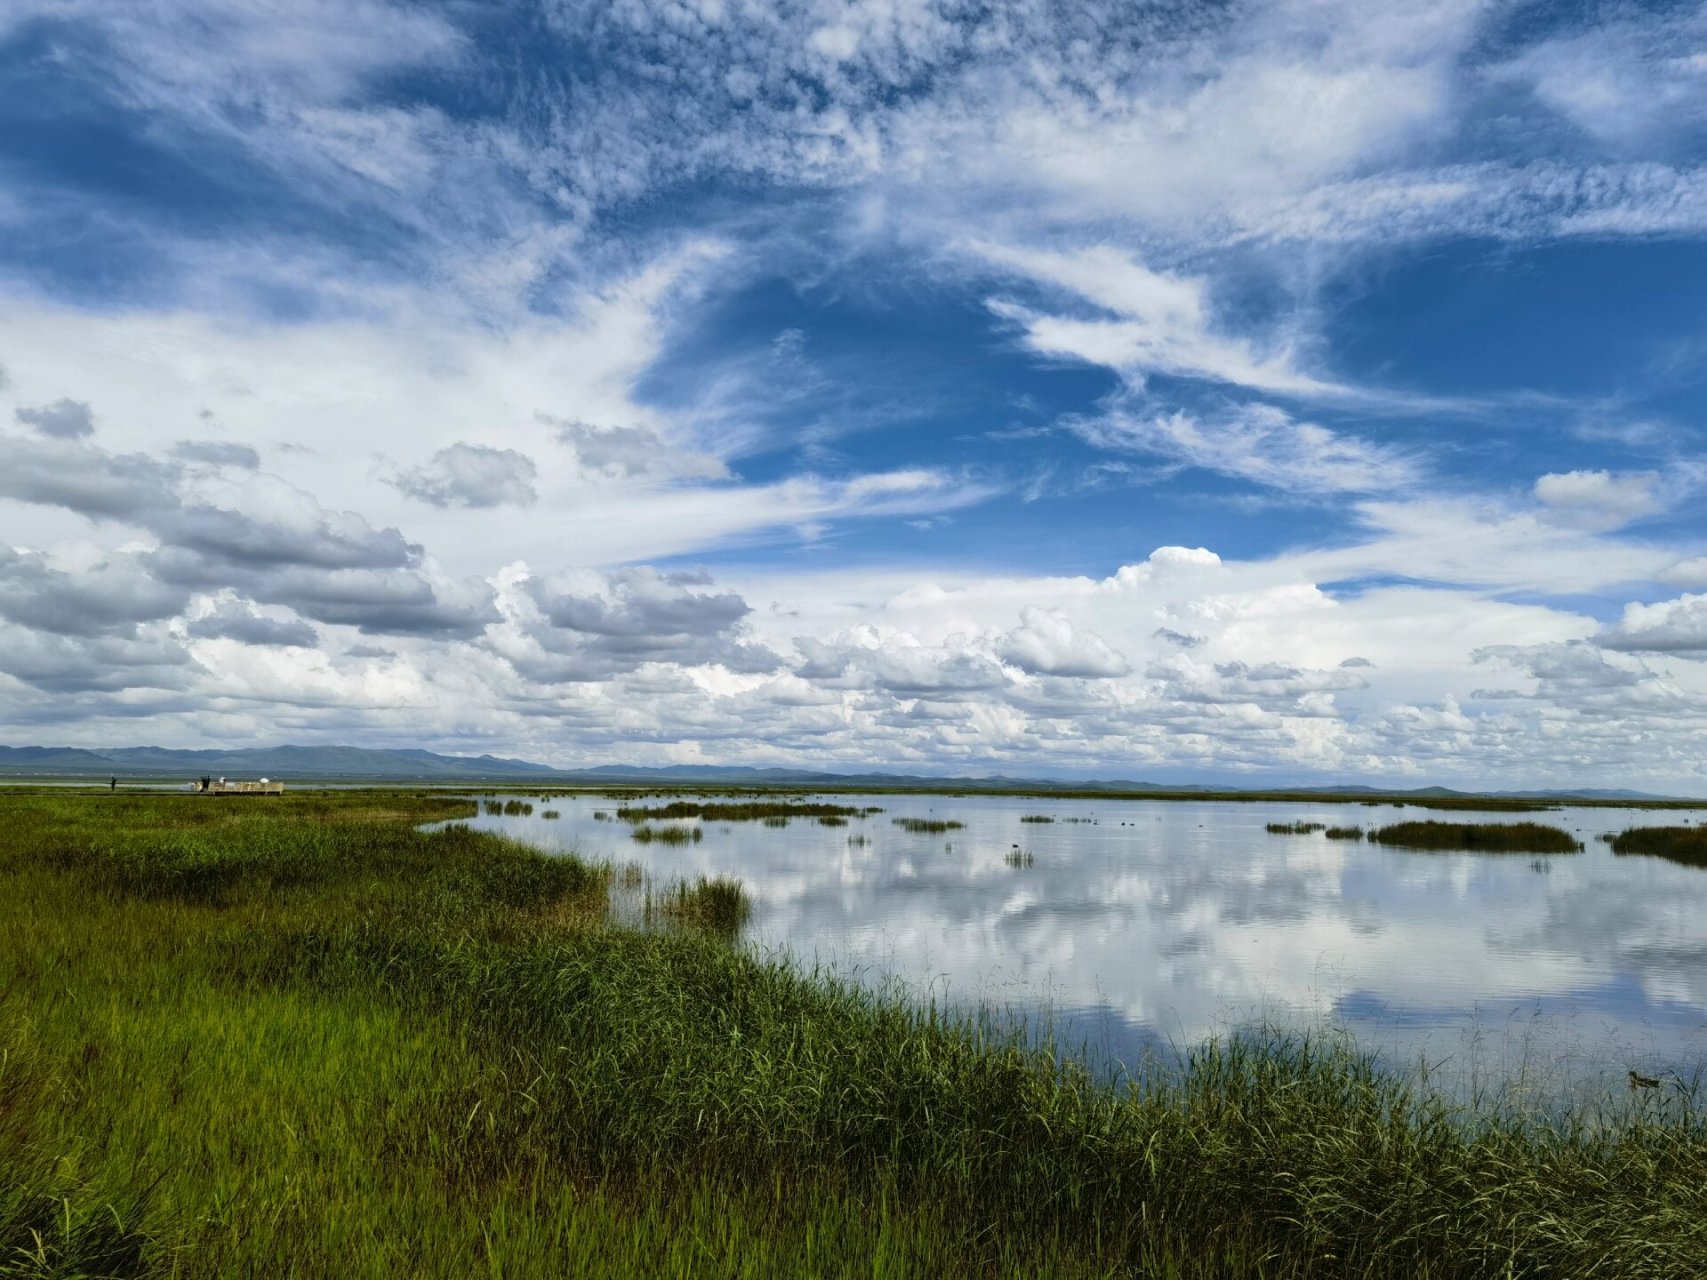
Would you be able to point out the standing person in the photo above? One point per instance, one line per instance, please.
(114, 785)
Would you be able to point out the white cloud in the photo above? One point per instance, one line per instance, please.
(1673, 626)
(1160, 323)
(1046, 644)
(1260, 443)
(1626, 82)
(471, 475)
(1598, 497)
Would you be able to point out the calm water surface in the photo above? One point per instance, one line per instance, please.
(1144, 927)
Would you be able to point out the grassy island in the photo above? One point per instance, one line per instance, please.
(1477, 837)
(303, 1037)
(739, 811)
(1687, 845)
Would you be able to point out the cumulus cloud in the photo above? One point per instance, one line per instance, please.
(1686, 573)
(613, 452)
(232, 620)
(85, 479)
(273, 542)
(217, 453)
(63, 419)
(111, 596)
(1574, 666)
(592, 626)
(1599, 498)
(69, 664)
(1673, 626)
(1047, 644)
(472, 475)
(379, 601)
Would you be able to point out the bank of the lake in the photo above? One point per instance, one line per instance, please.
(1131, 928)
(301, 1034)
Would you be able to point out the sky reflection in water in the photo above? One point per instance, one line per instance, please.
(1150, 926)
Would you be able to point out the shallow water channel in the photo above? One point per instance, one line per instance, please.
(1142, 927)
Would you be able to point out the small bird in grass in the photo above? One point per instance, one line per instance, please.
(1643, 1082)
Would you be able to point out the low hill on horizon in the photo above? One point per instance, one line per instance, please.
(372, 764)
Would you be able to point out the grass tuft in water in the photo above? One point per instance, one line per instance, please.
(720, 905)
(668, 835)
(928, 826)
(1344, 833)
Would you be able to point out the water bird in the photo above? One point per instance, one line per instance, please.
(1643, 1082)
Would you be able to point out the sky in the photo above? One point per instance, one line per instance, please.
(1282, 392)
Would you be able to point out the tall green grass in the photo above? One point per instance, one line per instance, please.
(720, 905)
(316, 1041)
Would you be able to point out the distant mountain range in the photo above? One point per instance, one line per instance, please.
(367, 764)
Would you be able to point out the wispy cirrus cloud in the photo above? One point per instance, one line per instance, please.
(1259, 443)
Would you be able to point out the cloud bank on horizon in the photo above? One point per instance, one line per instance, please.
(1257, 392)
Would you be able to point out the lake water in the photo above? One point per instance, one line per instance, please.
(1145, 927)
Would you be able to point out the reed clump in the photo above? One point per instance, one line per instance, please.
(928, 826)
(1294, 828)
(1478, 837)
(1344, 833)
(1686, 845)
(668, 835)
(720, 905)
(1017, 857)
(1037, 817)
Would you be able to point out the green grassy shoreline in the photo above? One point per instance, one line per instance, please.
(778, 792)
(304, 1038)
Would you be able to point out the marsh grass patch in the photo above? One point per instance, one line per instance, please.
(1684, 845)
(1477, 837)
(928, 826)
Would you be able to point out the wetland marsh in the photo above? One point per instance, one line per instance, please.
(1132, 928)
(353, 1034)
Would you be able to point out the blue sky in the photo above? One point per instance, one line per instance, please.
(1258, 393)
